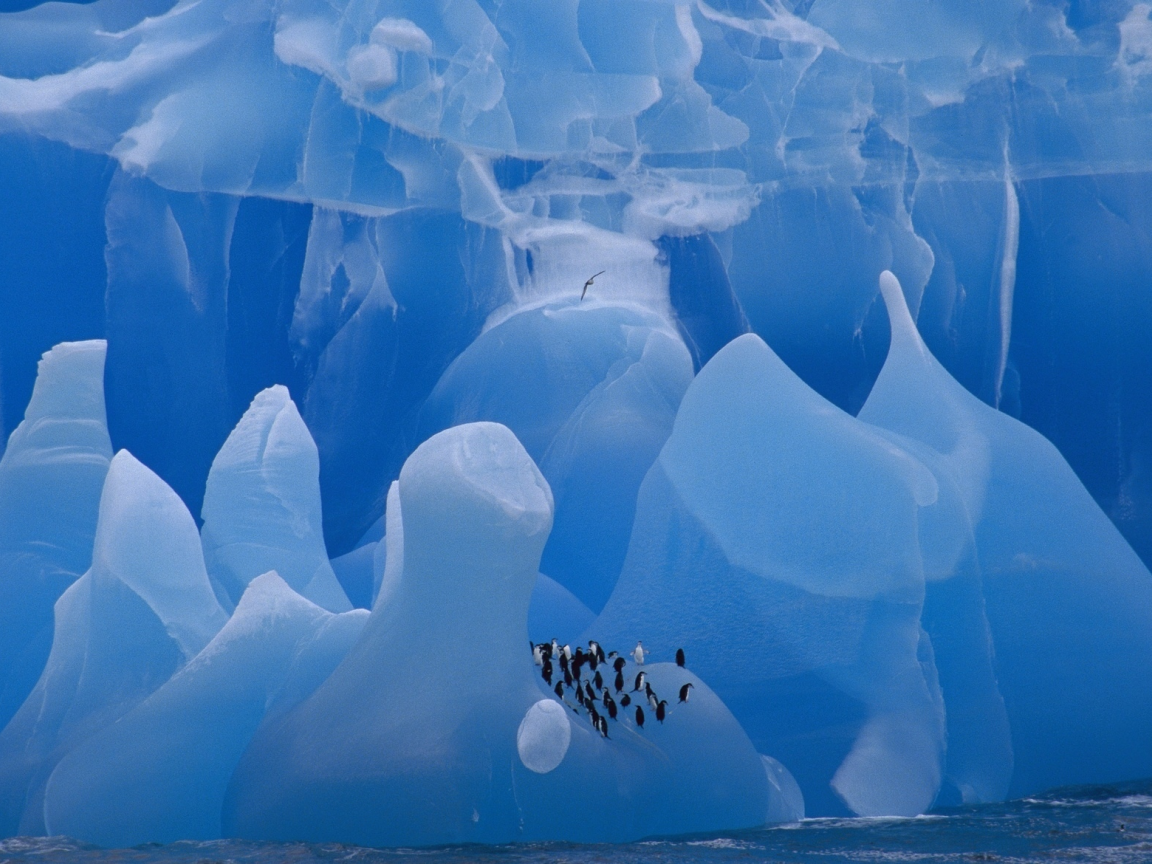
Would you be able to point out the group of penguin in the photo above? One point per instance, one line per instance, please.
(578, 672)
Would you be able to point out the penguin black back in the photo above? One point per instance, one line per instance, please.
(684, 691)
(680, 657)
(639, 716)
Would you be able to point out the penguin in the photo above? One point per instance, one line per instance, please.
(588, 692)
(563, 661)
(660, 709)
(640, 682)
(684, 691)
(639, 716)
(567, 649)
(537, 655)
(610, 705)
(680, 657)
(596, 651)
(567, 678)
(579, 695)
(594, 714)
(603, 727)
(625, 700)
(555, 648)
(653, 701)
(546, 671)
(618, 664)
(598, 681)
(619, 682)
(648, 691)
(575, 667)
(559, 691)
(638, 654)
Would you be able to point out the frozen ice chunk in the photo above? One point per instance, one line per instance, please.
(262, 505)
(544, 735)
(776, 541)
(412, 738)
(140, 613)
(1065, 594)
(786, 803)
(591, 390)
(51, 475)
(159, 774)
(354, 572)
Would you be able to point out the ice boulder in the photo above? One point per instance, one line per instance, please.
(1068, 601)
(141, 612)
(431, 730)
(159, 774)
(51, 475)
(591, 390)
(776, 542)
(262, 505)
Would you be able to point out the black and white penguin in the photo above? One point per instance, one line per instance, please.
(537, 655)
(588, 694)
(639, 716)
(604, 727)
(594, 714)
(563, 661)
(619, 682)
(546, 671)
(625, 700)
(640, 682)
(596, 651)
(567, 649)
(559, 690)
(579, 695)
(638, 653)
(598, 681)
(618, 664)
(567, 678)
(653, 701)
(684, 691)
(660, 709)
(680, 657)
(610, 706)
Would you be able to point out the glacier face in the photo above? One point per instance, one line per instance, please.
(318, 274)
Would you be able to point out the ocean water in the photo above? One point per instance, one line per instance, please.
(1104, 824)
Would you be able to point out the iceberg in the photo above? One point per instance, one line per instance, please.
(161, 771)
(143, 610)
(437, 718)
(776, 542)
(560, 319)
(51, 475)
(1064, 594)
(262, 505)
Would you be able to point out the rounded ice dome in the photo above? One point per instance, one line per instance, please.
(543, 737)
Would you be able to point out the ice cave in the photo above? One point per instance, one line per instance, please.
(419, 412)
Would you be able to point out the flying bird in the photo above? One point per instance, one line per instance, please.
(588, 283)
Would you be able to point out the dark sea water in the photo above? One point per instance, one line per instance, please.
(1107, 824)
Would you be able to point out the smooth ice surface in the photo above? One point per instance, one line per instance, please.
(139, 614)
(425, 718)
(262, 505)
(51, 475)
(160, 773)
(776, 541)
(1065, 595)
(590, 389)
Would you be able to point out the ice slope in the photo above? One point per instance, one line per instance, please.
(1067, 599)
(434, 717)
(51, 475)
(590, 389)
(137, 616)
(262, 505)
(159, 774)
(776, 541)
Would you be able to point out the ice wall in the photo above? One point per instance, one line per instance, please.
(402, 217)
